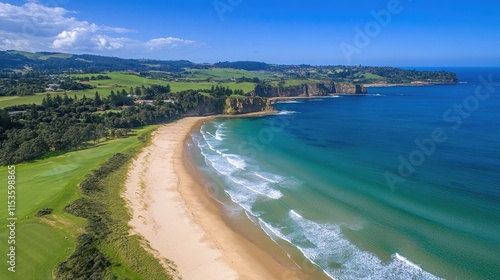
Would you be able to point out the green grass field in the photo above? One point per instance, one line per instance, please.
(227, 73)
(41, 56)
(42, 243)
(118, 82)
(293, 82)
(373, 77)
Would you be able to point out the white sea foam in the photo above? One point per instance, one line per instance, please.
(272, 231)
(274, 194)
(252, 217)
(260, 189)
(265, 178)
(286, 112)
(207, 140)
(289, 102)
(218, 136)
(295, 213)
(210, 134)
(406, 261)
(211, 161)
(325, 243)
(233, 168)
(219, 133)
(235, 161)
(245, 201)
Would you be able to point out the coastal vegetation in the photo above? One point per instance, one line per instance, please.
(47, 239)
(106, 250)
(28, 132)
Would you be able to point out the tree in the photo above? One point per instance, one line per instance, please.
(97, 100)
(5, 120)
(101, 131)
(138, 91)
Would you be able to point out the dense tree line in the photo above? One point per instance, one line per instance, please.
(223, 92)
(248, 80)
(263, 89)
(31, 82)
(64, 123)
(90, 63)
(17, 83)
(95, 78)
(245, 65)
(395, 75)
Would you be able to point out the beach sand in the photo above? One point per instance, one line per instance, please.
(181, 223)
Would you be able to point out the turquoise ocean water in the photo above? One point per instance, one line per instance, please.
(401, 183)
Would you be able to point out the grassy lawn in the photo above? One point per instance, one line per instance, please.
(180, 86)
(42, 243)
(227, 73)
(6, 101)
(41, 56)
(26, 54)
(373, 77)
(58, 55)
(293, 82)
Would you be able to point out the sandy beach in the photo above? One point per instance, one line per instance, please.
(174, 215)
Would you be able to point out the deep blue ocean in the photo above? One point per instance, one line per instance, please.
(401, 183)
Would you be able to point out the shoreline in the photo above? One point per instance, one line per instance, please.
(286, 98)
(172, 212)
(409, 84)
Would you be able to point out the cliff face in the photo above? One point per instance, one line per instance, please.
(235, 106)
(206, 107)
(314, 89)
(350, 89)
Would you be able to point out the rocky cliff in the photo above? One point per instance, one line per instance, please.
(349, 88)
(313, 89)
(235, 106)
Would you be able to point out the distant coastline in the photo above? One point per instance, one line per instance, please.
(412, 84)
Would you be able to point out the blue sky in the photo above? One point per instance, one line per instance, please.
(407, 33)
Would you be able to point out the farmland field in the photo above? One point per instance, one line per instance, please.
(227, 73)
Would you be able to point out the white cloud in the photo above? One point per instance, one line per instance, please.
(169, 42)
(34, 27)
